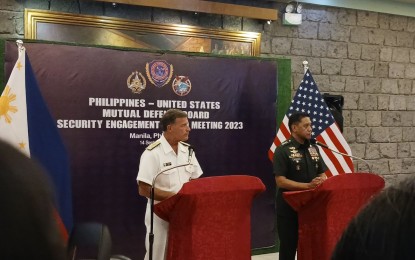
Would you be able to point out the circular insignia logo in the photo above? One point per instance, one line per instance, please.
(159, 72)
(181, 85)
(136, 83)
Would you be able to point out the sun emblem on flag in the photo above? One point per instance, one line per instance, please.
(5, 105)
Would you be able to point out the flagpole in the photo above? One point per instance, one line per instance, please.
(305, 65)
(20, 47)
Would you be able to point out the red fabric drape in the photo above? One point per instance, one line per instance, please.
(324, 212)
(210, 218)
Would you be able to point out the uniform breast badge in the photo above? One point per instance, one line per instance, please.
(294, 154)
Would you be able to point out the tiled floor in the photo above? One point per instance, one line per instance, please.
(273, 256)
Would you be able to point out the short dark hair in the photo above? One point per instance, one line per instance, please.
(170, 117)
(296, 118)
(384, 229)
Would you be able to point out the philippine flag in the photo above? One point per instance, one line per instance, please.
(25, 122)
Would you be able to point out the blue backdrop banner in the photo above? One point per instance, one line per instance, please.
(107, 104)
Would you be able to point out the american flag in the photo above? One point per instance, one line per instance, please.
(325, 130)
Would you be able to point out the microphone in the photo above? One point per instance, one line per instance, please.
(167, 169)
(191, 150)
(314, 141)
(151, 233)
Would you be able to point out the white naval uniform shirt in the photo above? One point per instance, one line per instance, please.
(162, 157)
(154, 161)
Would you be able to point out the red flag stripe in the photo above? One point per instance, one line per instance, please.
(334, 142)
(339, 161)
(333, 164)
(270, 154)
(342, 146)
(328, 172)
(285, 131)
(282, 135)
(61, 226)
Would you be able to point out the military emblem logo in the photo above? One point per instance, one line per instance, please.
(159, 72)
(181, 85)
(136, 82)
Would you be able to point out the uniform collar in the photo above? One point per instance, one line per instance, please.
(298, 145)
(167, 147)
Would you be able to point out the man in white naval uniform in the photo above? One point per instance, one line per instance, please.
(168, 151)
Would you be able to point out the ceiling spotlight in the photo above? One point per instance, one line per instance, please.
(269, 22)
(292, 15)
(114, 4)
(290, 8)
(299, 8)
(294, 7)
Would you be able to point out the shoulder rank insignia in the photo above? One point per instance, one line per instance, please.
(286, 142)
(153, 145)
(183, 143)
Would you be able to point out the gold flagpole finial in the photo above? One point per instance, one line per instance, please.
(305, 65)
(20, 46)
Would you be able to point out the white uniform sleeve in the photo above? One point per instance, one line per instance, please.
(148, 168)
(197, 169)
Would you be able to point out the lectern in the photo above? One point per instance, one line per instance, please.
(324, 212)
(210, 218)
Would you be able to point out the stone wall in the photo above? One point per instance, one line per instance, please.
(367, 57)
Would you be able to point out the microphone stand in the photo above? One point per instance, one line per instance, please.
(344, 154)
(151, 234)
